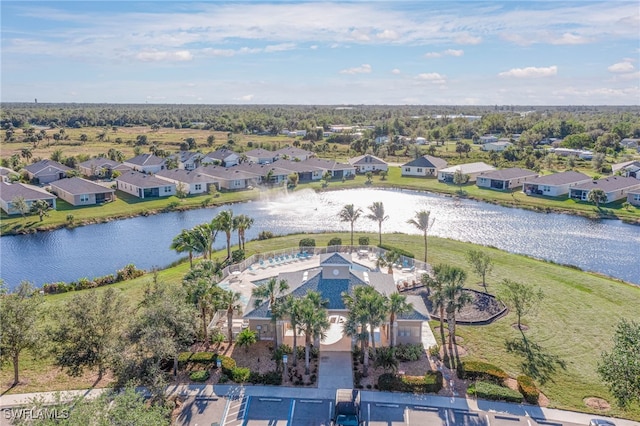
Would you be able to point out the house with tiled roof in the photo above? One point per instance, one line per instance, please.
(616, 188)
(368, 163)
(554, 185)
(81, 192)
(473, 170)
(335, 276)
(192, 181)
(503, 179)
(45, 171)
(427, 166)
(145, 186)
(9, 192)
(146, 163)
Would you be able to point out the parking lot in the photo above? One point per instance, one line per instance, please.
(273, 411)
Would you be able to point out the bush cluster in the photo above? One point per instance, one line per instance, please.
(409, 351)
(129, 272)
(307, 242)
(430, 382)
(478, 370)
(227, 364)
(397, 250)
(363, 241)
(199, 376)
(488, 390)
(528, 389)
(240, 374)
(336, 241)
(265, 235)
(197, 357)
(268, 378)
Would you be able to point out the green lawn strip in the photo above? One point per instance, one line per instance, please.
(575, 321)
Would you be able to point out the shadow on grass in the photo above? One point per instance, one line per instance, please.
(537, 363)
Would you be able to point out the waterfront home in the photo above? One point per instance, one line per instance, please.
(264, 173)
(9, 192)
(473, 170)
(633, 197)
(145, 186)
(337, 170)
(498, 146)
(510, 178)
(368, 163)
(335, 276)
(223, 156)
(293, 153)
(306, 172)
(191, 181)
(81, 192)
(230, 178)
(188, 160)
(556, 184)
(616, 188)
(45, 171)
(260, 156)
(7, 175)
(423, 166)
(98, 167)
(146, 163)
(627, 169)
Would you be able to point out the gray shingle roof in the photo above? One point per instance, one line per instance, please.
(145, 160)
(260, 153)
(478, 167)
(293, 152)
(419, 311)
(98, 163)
(220, 154)
(335, 259)
(142, 180)
(609, 184)
(327, 164)
(366, 159)
(28, 192)
(563, 178)
(224, 173)
(79, 186)
(186, 176)
(510, 173)
(427, 161)
(41, 165)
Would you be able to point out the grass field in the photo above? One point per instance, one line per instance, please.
(575, 321)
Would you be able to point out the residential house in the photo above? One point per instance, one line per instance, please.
(567, 152)
(627, 169)
(81, 192)
(188, 160)
(633, 197)
(223, 156)
(421, 141)
(632, 143)
(334, 277)
(368, 163)
(337, 170)
(556, 184)
(293, 153)
(265, 173)
(505, 179)
(7, 175)
(498, 146)
(616, 188)
(31, 193)
(146, 163)
(473, 170)
(45, 171)
(423, 166)
(306, 172)
(191, 181)
(260, 156)
(145, 186)
(98, 167)
(232, 178)
(487, 139)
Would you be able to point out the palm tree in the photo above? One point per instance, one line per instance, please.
(204, 238)
(350, 214)
(230, 301)
(314, 322)
(26, 154)
(455, 299)
(436, 293)
(20, 205)
(396, 305)
(224, 222)
(201, 286)
(377, 214)
(41, 208)
(387, 260)
(293, 309)
(421, 221)
(272, 290)
(184, 242)
(241, 223)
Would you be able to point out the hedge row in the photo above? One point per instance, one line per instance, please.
(197, 357)
(528, 389)
(199, 376)
(268, 378)
(488, 390)
(430, 382)
(478, 370)
(129, 272)
(397, 250)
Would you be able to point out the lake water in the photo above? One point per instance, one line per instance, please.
(607, 246)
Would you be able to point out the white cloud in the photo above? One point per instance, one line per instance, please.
(569, 38)
(245, 98)
(395, 71)
(530, 72)
(432, 77)
(452, 52)
(220, 52)
(157, 56)
(279, 47)
(432, 55)
(387, 35)
(466, 38)
(313, 47)
(621, 67)
(362, 69)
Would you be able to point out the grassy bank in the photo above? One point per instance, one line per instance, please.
(575, 321)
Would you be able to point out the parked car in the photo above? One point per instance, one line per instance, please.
(601, 422)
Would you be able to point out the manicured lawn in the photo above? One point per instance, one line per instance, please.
(575, 321)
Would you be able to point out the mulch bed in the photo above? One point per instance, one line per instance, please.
(483, 308)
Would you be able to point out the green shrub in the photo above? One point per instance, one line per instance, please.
(409, 352)
(272, 378)
(487, 390)
(479, 370)
(203, 357)
(199, 376)
(528, 389)
(307, 242)
(398, 250)
(363, 241)
(336, 241)
(227, 364)
(184, 357)
(265, 235)
(237, 256)
(430, 382)
(240, 374)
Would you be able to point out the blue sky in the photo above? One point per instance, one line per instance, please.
(302, 52)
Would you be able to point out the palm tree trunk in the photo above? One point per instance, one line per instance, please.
(275, 334)
(351, 234)
(425, 246)
(373, 340)
(230, 325)
(228, 245)
(365, 364)
(392, 324)
(442, 325)
(307, 350)
(295, 347)
(190, 259)
(380, 232)
(452, 336)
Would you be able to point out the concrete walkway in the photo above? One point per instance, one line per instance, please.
(335, 371)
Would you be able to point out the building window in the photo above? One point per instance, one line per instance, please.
(407, 169)
(84, 198)
(167, 189)
(198, 187)
(419, 169)
(546, 189)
